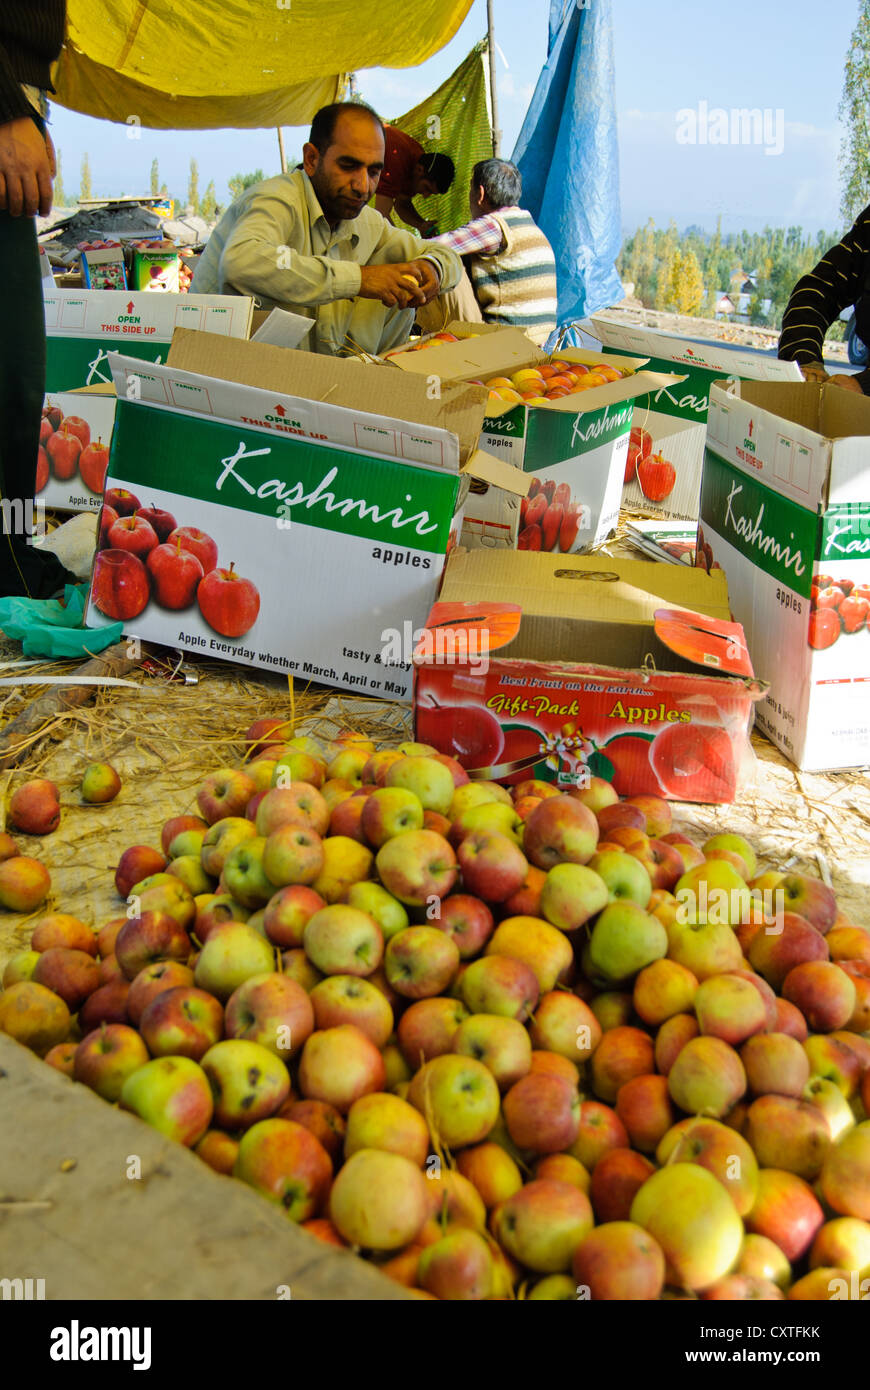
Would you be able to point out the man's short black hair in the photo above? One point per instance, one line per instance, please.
(501, 181)
(441, 169)
(323, 125)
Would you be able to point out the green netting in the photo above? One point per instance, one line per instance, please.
(461, 107)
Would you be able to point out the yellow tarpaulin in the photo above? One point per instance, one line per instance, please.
(236, 63)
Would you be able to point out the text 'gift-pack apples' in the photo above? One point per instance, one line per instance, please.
(613, 669)
(785, 512)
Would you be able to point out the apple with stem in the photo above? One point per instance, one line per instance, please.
(63, 450)
(93, 466)
(162, 522)
(228, 603)
(175, 573)
(120, 587)
(197, 542)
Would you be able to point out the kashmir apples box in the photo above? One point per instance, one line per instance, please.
(567, 667)
(82, 327)
(283, 531)
(785, 512)
(666, 451)
(576, 445)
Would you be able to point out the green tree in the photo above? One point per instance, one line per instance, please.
(855, 114)
(688, 285)
(85, 191)
(59, 194)
(666, 277)
(239, 182)
(208, 203)
(193, 188)
(155, 178)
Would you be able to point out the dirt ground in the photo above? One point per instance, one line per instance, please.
(165, 737)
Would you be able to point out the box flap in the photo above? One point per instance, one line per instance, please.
(281, 328)
(704, 641)
(455, 621)
(489, 469)
(596, 397)
(331, 381)
(568, 586)
(603, 610)
(710, 357)
(489, 354)
(99, 388)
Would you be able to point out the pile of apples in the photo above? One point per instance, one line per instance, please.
(549, 381)
(65, 449)
(432, 341)
(531, 1044)
(549, 517)
(144, 554)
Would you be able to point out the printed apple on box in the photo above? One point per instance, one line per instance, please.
(81, 327)
(263, 541)
(666, 448)
(785, 512)
(566, 669)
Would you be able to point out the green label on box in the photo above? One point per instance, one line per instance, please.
(846, 531)
(74, 362)
(256, 471)
(687, 400)
(776, 534)
(512, 423)
(554, 435)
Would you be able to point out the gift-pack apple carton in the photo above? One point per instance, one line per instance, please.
(571, 667)
(576, 444)
(82, 326)
(298, 509)
(666, 448)
(785, 512)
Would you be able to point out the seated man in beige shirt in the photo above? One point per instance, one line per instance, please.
(308, 242)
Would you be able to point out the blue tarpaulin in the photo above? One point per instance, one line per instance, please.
(568, 155)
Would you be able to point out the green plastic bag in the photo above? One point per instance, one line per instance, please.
(51, 628)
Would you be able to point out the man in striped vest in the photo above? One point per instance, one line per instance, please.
(511, 269)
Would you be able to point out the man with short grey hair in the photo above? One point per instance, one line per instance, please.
(511, 269)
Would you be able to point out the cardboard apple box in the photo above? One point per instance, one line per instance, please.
(576, 444)
(785, 512)
(82, 326)
(675, 418)
(90, 414)
(665, 708)
(334, 517)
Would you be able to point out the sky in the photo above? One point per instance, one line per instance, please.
(673, 62)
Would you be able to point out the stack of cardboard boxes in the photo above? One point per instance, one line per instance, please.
(321, 500)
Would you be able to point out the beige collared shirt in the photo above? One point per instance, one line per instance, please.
(274, 243)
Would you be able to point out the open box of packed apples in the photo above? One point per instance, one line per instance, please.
(524, 1043)
(549, 381)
